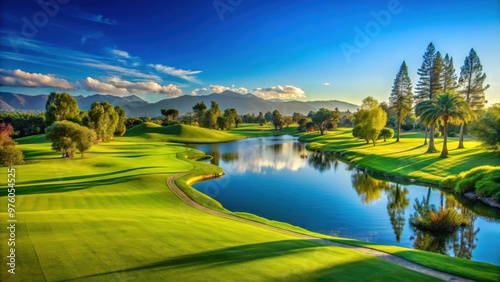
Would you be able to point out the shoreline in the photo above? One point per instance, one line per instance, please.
(180, 193)
(387, 175)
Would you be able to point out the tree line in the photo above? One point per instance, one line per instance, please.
(441, 98)
(214, 118)
(72, 130)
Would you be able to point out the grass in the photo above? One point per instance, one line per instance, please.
(256, 130)
(110, 216)
(179, 133)
(406, 158)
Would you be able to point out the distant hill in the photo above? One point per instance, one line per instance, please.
(23, 102)
(135, 106)
(247, 103)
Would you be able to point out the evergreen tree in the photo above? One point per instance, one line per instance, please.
(401, 98)
(471, 87)
(429, 84)
(449, 75)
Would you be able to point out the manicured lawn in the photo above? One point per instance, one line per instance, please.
(256, 130)
(110, 217)
(406, 158)
(179, 133)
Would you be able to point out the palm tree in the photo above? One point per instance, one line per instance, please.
(447, 108)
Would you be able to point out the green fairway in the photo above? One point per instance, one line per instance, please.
(179, 133)
(406, 158)
(111, 217)
(256, 130)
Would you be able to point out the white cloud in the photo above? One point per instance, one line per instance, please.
(220, 89)
(120, 53)
(116, 86)
(327, 83)
(184, 74)
(95, 85)
(280, 92)
(200, 91)
(122, 70)
(26, 79)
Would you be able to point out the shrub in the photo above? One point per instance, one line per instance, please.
(483, 180)
(386, 133)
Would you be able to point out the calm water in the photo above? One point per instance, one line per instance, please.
(273, 178)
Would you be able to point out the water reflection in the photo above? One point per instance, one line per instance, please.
(397, 202)
(368, 188)
(447, 230)
(323, 161)
(259, 157)
(279, 179)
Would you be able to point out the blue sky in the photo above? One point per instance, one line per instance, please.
(303, 50)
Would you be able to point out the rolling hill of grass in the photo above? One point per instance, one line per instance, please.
(179, 133)
(110, 217)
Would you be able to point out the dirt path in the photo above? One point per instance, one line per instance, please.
(385, 256)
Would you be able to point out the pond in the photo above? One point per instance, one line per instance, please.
(277, 178)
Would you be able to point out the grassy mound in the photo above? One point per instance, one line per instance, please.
(179, 133)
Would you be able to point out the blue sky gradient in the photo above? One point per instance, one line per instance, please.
(303, 50)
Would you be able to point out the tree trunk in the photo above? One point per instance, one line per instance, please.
(444, 153)
(432, 148)
(373, 140)
(426, 131)
(399, 129)
(461, 141)
(367, 141)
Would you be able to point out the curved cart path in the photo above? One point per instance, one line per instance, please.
(385, 256)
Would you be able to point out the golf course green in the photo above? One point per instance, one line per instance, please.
(110, 216)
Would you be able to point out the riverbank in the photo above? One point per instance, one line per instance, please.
(405, 160)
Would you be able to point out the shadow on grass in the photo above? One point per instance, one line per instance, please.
(82, 177)
(352, 267)
(64, 186)
(225, 256)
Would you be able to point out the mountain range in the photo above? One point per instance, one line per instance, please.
(135, 106)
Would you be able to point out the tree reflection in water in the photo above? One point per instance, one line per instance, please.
(397, 202)
(322, 161)
(368, 188)
(447, 230)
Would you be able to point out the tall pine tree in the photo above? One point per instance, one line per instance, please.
(449, 75)
(429, 84)
(401, 98)
(471, 87)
